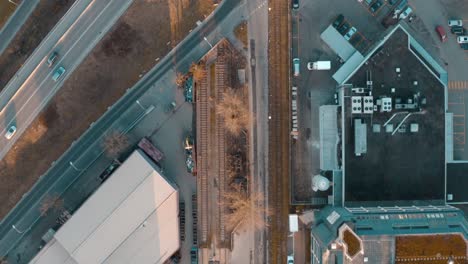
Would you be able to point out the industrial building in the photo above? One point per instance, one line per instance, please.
(386, 175)
(131, 218)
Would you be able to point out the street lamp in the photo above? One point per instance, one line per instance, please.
(17, 230)
(74, 167)
(208, 42)
(138, 103)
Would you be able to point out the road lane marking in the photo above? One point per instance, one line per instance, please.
(50, 73)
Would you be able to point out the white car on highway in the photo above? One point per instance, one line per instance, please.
(11, 132)
(462, 39)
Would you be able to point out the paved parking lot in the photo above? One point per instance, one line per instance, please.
(450, 55)
(316, 88)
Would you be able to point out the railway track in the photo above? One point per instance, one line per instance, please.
(279, 128)
(202, 160)
(221, 71)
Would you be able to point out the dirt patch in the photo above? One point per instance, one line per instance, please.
(241, 33)
(6, 10)
(34, 30)
(430, 249)
(128, 50)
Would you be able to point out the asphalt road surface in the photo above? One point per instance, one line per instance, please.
(31, 89)
(86, 150)
(14, 23)
(258, 36)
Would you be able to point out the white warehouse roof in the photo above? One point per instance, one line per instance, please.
(131, 218)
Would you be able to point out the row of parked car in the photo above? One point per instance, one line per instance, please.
(456, 28)
(344, 28)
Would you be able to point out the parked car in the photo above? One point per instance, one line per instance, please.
(375, 6)
(295, 4)
(355, 40)
(368, 2)
(344, 28)
(339, 19)
(458, 30)
(58, 73)
(406, 13)
(454, 22)
(52, 58)
(462, 39)
(10, 132)
(392, 2)
(441, 32)
(290, 260)
(350, 33)
(296, 66)
(464, 46)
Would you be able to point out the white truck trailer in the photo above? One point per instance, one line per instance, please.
(319, 66)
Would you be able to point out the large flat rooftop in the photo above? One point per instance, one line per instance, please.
(397, 166)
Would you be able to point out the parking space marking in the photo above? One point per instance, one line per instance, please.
(458, 85)
(457, 107)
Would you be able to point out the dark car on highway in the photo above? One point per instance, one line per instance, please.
(375, 6)
(344, 28)
(339, 19)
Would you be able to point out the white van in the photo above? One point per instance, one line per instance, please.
(296, 66)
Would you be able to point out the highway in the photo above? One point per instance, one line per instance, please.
(88, 148)
(14, 23)
(72, 38)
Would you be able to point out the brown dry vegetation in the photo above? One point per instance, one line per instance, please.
(51, 202)
(430, 246)
(233, 110)
(246, 211)
(115, 143)
(241, 33)
(6, 9)
(36, 27)
(97, 83)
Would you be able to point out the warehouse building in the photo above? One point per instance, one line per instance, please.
(131, 218)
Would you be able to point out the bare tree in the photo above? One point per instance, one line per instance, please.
(51, 202)
(115, 143)
(234, 111)
(197, 70)
(246, 210)
(180, 79)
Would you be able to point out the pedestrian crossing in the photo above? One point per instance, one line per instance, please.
(458, 85)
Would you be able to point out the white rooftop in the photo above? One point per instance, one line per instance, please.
(131, 218)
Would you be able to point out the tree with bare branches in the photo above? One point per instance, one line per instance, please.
(246, 210)
(115, 143)
(234, 111)
(197, 70)
(51, 202)
(180, 79)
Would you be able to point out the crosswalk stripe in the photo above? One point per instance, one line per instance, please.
(458, 85)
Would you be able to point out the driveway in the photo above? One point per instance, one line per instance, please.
(450, 56)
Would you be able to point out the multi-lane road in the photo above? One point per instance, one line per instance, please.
(14, 23)
(72, 38)
(85, 151)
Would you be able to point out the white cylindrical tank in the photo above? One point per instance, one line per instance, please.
(320, 183)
